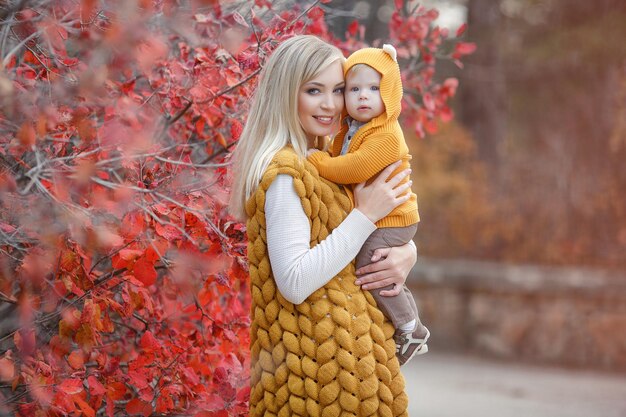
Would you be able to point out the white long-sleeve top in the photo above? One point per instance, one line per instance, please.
(300, 270)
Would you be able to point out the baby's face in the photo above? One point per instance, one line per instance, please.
(362, 95)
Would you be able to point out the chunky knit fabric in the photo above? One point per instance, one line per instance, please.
(377, 144)
(332, 355)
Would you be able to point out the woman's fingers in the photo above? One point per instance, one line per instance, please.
(380, 253)
(386, 173)
(375, 266)
(399, 177)
(377, 284)
(393, 292)
(403, 187)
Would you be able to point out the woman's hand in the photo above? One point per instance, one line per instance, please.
(389, 266)
(380, 197)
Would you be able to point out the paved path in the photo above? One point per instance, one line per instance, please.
(447, 385)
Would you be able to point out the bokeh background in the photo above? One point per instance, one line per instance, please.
(531, 170)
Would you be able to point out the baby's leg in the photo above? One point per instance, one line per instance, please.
(401, 308)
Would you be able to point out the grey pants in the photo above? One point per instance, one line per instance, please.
(401, 308)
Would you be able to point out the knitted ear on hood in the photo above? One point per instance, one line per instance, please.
(389, 49)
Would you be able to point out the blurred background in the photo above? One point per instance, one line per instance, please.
(522, 239)
(531, 169)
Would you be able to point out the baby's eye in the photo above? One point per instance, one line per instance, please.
(339, 90)
(354, 89)
(375, 88)
(313, 91)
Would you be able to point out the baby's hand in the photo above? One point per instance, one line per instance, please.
(311, 151)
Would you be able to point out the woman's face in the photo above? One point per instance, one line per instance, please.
(320, 102)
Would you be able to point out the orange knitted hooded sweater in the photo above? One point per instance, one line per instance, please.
(378, 143)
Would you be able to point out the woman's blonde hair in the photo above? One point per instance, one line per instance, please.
(273, 120)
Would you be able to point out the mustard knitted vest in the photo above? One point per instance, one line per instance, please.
(332, 355)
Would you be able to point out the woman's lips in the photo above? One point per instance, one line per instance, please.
(326, 120)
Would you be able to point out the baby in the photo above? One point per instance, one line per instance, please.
(369, 140)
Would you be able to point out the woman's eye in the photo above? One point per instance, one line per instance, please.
(313, 91)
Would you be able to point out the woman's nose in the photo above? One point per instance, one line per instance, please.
(328, 103)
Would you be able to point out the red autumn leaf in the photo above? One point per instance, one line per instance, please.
(164, 404)
(461, 30)
(353, 28)
(200, 125)
(95, 387)
(133, 225)
(191, 375)
(137, 380)
(116, 390)
(446, 114)
(87, 8)
(71, 386)
(148, 342)
(168, 232)
(315, 13)
(138, 407)
(235, 129)
(214, 402)
(429, 103)
(128, 86)
(465, 48)
(144, 271)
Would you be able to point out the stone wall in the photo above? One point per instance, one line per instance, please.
(563, 316)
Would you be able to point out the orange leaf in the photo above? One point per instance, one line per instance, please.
(85, 336)
(7, 369)
(221, 140)
(26, 135)
(76, 359)
(84, 407)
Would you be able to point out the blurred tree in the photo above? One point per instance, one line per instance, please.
(483, 99)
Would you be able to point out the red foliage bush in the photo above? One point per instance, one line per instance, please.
(123, 285)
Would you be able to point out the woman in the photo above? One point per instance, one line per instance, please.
(319, 345)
